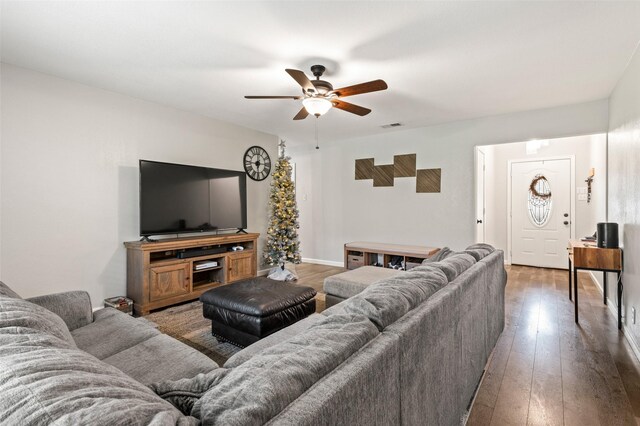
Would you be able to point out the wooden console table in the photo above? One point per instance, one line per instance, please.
(587, 256)
(362, 253)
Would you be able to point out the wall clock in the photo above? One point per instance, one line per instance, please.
(257, 163)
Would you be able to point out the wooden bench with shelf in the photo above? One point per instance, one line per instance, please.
(157, 277)
(361, 253)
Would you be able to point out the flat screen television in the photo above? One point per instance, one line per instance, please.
(176, 199)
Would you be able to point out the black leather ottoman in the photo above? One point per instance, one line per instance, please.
(246, 311)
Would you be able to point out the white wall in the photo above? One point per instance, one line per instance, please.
(69, 178)
(1, 109)
(624, 186)
(339, 209)
(589, 151)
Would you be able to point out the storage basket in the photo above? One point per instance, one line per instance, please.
(120, 303)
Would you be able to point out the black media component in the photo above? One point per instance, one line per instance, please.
(607, 235)
(202, 251)
(180, 199)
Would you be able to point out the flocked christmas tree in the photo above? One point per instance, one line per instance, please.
(282, 234)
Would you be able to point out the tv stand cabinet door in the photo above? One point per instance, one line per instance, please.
(240, 266)
(168, 281)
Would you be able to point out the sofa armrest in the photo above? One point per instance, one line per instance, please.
(74, 307)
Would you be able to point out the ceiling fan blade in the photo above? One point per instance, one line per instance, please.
(302, 80)
(358, 89)
(273, 97)
(354, 109)
(302, 114)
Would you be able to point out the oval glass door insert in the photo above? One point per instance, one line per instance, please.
(539, 201)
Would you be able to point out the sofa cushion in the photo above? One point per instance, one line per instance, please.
(184, 393)
(350, 283)
(262, 387)
(452, 266)
(387, 300)
(479, 250)
(460, 262)
(442, 254)
(338, 308)
(273, 339)
(7, 292)
(111, 332)
(27, 317)
(161, 358)
(45, 380)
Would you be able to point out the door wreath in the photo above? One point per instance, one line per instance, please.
(534, 190)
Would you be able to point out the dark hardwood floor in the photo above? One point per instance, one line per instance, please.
(545, 369)
(313, 275)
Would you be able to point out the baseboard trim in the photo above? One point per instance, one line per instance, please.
(625, 330)
(598, 285)
(323, 262)
(263, 272)
(613, 308)
(632, 341)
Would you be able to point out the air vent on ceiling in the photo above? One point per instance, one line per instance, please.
(388, 126)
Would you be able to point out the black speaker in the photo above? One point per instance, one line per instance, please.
(607, 235)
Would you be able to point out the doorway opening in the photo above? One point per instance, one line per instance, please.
(531, 197)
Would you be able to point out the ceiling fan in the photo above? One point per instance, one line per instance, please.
(319, 96)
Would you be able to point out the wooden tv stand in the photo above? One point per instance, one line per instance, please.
(158, 277)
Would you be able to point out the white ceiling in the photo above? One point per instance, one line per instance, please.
(443, 61)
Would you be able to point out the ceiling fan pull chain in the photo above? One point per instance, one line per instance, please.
(317, 147)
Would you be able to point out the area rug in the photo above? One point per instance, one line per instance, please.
(186, 324)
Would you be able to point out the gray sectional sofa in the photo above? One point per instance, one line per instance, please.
(62, 363)
(406, 350)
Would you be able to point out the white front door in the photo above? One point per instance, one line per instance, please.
(541, 212)
(480, 197)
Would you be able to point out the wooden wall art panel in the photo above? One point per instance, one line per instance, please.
(404, 165)
(383, 175)
(428, 180)
(364, 168)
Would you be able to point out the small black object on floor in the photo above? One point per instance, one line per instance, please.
(249, 310)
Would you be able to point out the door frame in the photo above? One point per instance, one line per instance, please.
(572, 179)
(482, 172)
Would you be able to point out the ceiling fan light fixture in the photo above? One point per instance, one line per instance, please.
(317, 106)
(318, 96)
